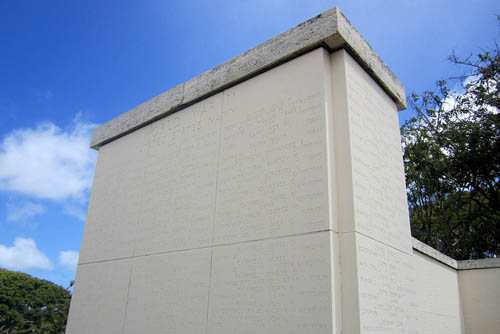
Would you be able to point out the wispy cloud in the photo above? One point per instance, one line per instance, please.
(48, 162)
(23, 211)
(69, 259)
(45, 95)
(23, 255)
(75, 211)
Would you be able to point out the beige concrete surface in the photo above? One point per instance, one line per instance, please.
(369, 157)
(273, 177)
(280, 285)
(372, 213)
(437, 296)
(480, 294)
(377, 286)
(116, 201)
(99, 298)
(179, 183)
(169, 293)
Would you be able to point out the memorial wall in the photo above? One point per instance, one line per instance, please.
(266, 196)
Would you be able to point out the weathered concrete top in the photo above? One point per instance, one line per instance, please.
(479, 264)
(330, 30)
(434, 253)
(458, 265)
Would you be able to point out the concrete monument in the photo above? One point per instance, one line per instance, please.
(267, 195)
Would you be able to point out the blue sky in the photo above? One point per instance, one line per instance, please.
(67, 66)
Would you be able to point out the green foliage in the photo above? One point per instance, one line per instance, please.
(31, 305)
(452, 162)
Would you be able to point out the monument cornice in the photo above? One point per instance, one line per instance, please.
(330, 30)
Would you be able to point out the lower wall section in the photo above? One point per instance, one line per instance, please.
(272, 286)
(480, 291)
(169, 293)
(99, 298)
(437, 298)
(377, 286)
(287, 285)
(279, 285)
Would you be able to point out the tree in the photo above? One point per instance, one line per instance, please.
(452, 162)
(31, 305)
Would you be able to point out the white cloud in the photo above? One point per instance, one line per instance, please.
(24, 254)
(24, 211)
(69, 259)
(48, 162)
(75, 211)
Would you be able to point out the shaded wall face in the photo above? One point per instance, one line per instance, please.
(437, 299)
(480, 295)
(375, 262)
(218, 218)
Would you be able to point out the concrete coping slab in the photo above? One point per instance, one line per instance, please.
(330, 30)
(479, 264)
(434, 253)
(458, 265)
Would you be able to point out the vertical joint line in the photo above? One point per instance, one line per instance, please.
(214, 213)
(128, 293)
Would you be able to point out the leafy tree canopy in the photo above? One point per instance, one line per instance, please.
(452, 162)
(31, 305)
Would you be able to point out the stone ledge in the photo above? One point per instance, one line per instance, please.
(330, 30)
(434, 253)
(458, 265)
(478, 264)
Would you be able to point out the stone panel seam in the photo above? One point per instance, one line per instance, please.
(378, 241)
(440, 314)
(214, 214)
(128, 293)
(343, 277)
(205, 247)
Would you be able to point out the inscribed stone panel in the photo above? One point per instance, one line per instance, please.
(280, 285)
(381, 210)
(386, 287)
(179, 181)
(169, 293)
(437, 299)
(99, 298)
(116, 199)
(273, 177)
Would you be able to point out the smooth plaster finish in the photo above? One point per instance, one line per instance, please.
(480, 294)
(329, 29)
